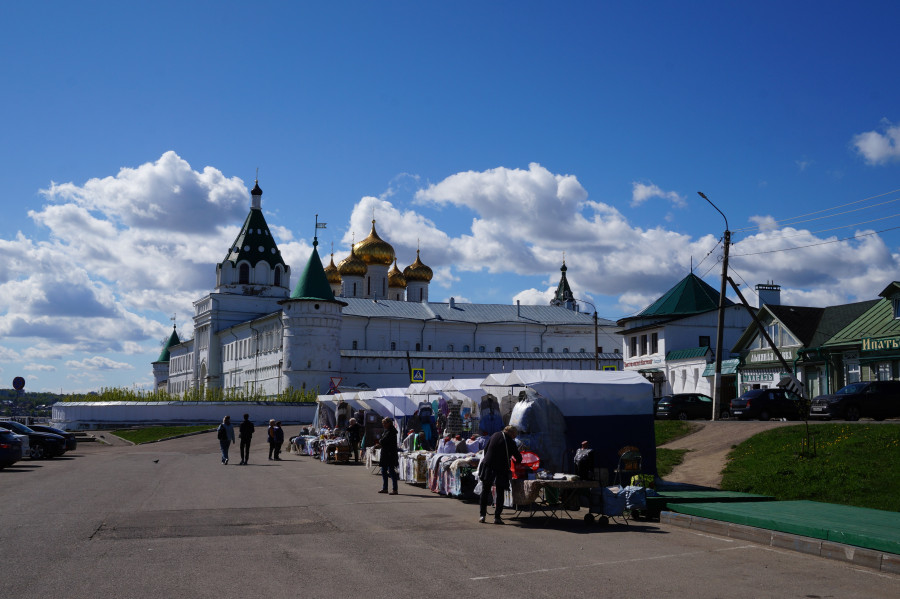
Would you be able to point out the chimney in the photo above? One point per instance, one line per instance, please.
(768, 293)
(452, 302)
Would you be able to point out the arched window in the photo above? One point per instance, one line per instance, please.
(244, 274)
(393, 345)
(418, 347)
(498, 349)
(278, 276)
(421, 294)
(465, 348)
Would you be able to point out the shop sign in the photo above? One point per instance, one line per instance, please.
(643, 362)
(869, 344)
(757, 377)
(769, 356)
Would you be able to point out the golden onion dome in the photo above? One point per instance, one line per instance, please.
(352, 266)
(396, 278)
(374, 250)
(417, 271)
(332, 273)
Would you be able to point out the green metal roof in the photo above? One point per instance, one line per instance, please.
(173, 341)
(313, 284)
(684, 354)
(690, 296)
(877, 321)
(728, 367)
(255, 243)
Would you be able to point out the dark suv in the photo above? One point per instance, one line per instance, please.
(43, 445)
(875, 399)
(766, 404)
(683, 406)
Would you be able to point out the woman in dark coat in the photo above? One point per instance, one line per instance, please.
(390, 455)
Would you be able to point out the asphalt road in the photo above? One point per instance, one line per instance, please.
(115, 522)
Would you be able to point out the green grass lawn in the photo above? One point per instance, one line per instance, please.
(155, 433)
(853, 464)
(669, 430)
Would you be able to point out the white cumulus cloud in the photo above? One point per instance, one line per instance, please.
(641, 192)
(98, 363)
(879, 147)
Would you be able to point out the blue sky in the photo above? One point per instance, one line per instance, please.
(496, 136)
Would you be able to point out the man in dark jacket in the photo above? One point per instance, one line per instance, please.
(390, 455)
(246, 434)
(494, 469)
(354, 435)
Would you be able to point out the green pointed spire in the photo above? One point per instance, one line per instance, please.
(173, 341)
(313, 284)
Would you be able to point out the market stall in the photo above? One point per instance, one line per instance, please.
(562, 408)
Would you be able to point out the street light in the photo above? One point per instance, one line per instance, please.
(720, 325)
(596, 335)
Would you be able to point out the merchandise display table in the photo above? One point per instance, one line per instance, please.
(553, 498)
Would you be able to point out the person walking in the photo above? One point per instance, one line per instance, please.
(354, 434)
(494, 469)
(225, 434)
(246, 434)
(270, 437)
(390, 455)
(279, 440)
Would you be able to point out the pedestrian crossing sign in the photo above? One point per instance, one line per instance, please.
(417, 375)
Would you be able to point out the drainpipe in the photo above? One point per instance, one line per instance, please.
(256, 356)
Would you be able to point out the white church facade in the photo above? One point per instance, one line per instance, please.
(362, 323)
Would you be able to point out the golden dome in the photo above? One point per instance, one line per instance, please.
(332, 273)
(374, 250)
(417, 271)
(396, 278)
(352, 266)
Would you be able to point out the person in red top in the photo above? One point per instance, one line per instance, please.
(494, 469)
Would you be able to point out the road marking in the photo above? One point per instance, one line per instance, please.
(611, 563)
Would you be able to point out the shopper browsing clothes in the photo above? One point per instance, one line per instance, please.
(494, 469)
(225, 434)
(390, 455)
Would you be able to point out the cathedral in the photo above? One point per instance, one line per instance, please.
(362, 323)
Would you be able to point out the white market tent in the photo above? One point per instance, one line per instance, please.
(498, 384)
(609, 409)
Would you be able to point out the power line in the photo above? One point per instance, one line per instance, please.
(865, 222)
(794, 218)
(800, 247)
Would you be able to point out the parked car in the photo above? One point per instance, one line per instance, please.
(683, 406)
(766, 404)
(873, 399)
(43, 445)
(71, 441)
(10, 448)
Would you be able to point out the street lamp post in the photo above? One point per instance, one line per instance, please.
(596, 335)
(720, 325)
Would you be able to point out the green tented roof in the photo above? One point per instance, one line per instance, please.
(685, 354)
(313, 284)
(255, 243)
(690, 296)
(173, 341)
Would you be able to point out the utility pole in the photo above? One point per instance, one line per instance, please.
(720, 325)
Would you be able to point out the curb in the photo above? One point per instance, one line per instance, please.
(858, 556)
